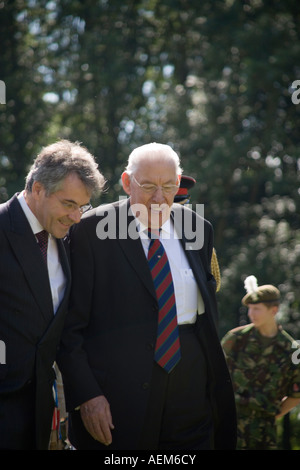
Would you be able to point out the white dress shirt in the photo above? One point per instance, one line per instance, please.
(56, 275)
(188, 298)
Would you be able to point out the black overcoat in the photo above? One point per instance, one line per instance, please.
(109, 338)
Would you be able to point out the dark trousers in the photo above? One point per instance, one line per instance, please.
(179, 414)
(17, 419)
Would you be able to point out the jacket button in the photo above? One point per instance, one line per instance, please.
(149, 346)
(145, 386)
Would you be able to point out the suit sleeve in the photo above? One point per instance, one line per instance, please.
(79, 382)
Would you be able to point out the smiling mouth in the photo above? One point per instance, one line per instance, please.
(159, 208)
(158, 211)
(66, 225)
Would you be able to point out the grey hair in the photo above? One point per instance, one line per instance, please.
(56, 161)
(149, 151)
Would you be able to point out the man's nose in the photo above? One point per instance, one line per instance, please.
(75, 216)
(159, 196)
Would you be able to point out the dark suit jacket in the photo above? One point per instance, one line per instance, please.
(110, 332)
(28, 327)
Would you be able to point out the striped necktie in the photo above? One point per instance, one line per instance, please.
(43, 243)
(167, 348)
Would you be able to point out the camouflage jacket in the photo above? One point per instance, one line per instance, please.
(261, 368)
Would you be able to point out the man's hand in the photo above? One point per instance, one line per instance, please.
(97, 419)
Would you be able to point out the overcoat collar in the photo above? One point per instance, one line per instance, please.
(192, 254)
(132, 246)
(133, 249)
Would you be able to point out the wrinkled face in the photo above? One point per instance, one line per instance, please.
(152, 202)
(58, 211)
(261, 315)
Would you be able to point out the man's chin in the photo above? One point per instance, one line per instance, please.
(153, 217)
(61, 231)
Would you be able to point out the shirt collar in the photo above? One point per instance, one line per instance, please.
(166, 229)
(33, 221)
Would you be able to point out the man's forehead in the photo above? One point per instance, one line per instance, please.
(156, 164)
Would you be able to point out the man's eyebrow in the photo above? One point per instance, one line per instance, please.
(70, 200)
(167, 182)
(74, 202)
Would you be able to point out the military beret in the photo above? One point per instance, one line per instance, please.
(186, 183)
(259, 294)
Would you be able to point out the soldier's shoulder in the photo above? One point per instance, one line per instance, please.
(241, 330)
(286, 338)
(235, 338)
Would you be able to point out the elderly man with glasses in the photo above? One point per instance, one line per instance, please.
(140, 356)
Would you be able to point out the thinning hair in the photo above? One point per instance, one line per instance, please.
(56, 161)
(152, 151)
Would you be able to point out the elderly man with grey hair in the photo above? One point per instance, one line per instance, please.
(140, 356)
(35, 284)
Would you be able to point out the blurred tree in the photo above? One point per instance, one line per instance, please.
(227, 108)
(212, 79)
(255, 209)
(99, 55)
(24, 119)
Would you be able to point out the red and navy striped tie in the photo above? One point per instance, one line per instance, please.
(167, 348)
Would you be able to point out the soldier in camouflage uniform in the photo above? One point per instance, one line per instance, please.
(265, 378)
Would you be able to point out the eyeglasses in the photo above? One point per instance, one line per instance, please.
(152, 188)
(72, 206)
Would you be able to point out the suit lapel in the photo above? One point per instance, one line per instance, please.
(24, 245)
(64, 261)
(192, 255)
(133, 250)
(132, 247)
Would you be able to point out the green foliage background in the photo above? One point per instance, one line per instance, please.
(211, 78)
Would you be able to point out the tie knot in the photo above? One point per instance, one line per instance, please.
(153, 233)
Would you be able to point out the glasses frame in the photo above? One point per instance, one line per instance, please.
(171, 187)
(72, 206)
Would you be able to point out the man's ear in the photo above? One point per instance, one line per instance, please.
(126, 182)
(275, 309)
(37, 189)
